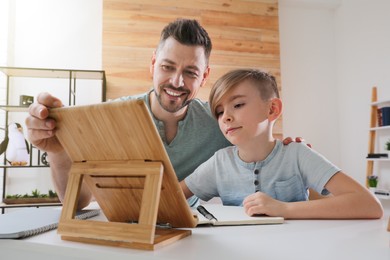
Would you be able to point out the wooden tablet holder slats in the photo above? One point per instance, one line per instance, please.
(117, 152)
(110, 182)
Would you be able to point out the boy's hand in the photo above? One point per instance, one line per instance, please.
(260, 203)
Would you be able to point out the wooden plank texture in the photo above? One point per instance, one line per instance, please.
(245, 33)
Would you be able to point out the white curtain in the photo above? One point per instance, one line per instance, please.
(4, 32)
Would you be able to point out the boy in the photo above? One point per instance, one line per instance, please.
(259, 172)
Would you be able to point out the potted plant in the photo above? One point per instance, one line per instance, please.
(372, 181)
(388, 145)
(34, 197)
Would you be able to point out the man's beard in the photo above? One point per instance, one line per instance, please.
(173, 106)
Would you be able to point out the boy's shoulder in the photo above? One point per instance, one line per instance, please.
(228, 151)
(296, 149)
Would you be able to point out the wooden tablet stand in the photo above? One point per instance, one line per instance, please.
(133, 193)
(110, 180)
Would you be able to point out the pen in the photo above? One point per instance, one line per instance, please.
(158, 225)
(205, 213)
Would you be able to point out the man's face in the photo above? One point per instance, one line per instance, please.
(178, 73)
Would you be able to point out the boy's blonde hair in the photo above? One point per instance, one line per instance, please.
(265, 83)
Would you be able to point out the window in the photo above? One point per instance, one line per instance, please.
(4, 30)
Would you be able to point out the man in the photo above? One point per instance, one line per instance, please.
(180, 67)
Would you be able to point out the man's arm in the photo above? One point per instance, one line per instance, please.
(60, 165)
(41, 133)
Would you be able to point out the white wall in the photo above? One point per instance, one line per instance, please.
(332, 53)
(308, 75)
(363, 61)
(57, 34)
(3, 61)
(61, 34)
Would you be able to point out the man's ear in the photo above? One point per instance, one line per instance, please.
(275, 109)
(152, 62)
(206, 74)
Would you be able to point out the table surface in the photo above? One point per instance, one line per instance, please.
(306, 239)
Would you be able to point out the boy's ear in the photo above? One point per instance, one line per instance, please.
(275, 109)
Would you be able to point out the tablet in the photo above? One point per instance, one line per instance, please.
(122, 132)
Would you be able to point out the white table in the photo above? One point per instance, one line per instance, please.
(295, 239)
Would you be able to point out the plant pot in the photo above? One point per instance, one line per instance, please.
(372, 183)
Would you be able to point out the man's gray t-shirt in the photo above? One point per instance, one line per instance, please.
(285, 175)
(198, 137)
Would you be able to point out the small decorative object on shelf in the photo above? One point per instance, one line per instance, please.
(379, 123)
(379, 116)
(377, 155)
(385, 116)
(372, 181)
(388, 145)
(382, 193)
(15, 146)
(26, 101)
(35, 197)
(45, 159)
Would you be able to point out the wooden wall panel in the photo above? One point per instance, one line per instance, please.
(244, 33)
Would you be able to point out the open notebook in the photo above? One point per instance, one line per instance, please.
(219, 215)
(32, 221)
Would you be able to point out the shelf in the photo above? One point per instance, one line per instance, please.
(4, 206)
(373, 148)
(384, 197)
(14, 108)
(7, 108)
(72, 75)
(380, 128)
(381, 193)
(378, 159)
(53, 73)
(381, 103)
(25, 166)
(24, 201)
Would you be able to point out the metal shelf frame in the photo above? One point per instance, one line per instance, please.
(72, 75)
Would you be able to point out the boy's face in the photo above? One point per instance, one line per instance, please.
(178, 72)
(242, 114)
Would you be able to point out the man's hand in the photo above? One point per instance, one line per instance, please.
(41, 128)
(289, 140)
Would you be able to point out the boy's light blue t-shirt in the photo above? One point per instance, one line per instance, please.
(285, 175)
(197, 139)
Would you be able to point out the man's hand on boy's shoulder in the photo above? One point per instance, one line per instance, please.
(289, 140)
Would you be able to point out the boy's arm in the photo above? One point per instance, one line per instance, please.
(186, 190)
(349, 200)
